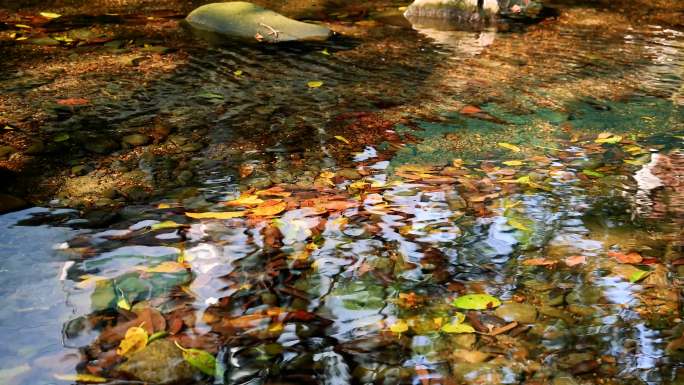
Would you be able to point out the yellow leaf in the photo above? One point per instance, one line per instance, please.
(123, 303)
(509, 146)
(81, 378)
(237, 73)
(245, 200)
(165, 225)
(513, 163)
(163, 206)
(22, 38)
(457, 328)
(168, 267)
(314, 84)
(134, 341)
(399, 327)
(269, 208)
(342, 139)
(516, 224)
(217, 215)
(325, 52)
(24, 26)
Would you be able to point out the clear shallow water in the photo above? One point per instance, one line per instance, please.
(398, 238)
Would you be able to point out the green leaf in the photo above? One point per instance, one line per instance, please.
(592, 173)
(638, 276)
(457, 328)
(204, 361)
(476, 302)
(610, 140)
(165, 225)
(62, 137)
(211, 95)
(509, 146)
(156, 336)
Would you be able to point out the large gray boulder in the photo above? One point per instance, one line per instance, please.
(245, 20)
(450, 9)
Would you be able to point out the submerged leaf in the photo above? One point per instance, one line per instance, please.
(457, 328)
(81, 377)
(269, 208)
(513, 163)
(50, 15)
(592, 173)
(539, 262)
(217, 215)
(123, 304)
(638, 276)
(626, 258)
(200, 359)
(575, 260)
(134, 341)
(342, 139)
(165, 225)
(476, 302)
(509, 146)
(314, 84)
(399, 327)
(245, 200)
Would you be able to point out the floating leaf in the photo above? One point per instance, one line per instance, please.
(476, 302)
(518, 225)
(217, 215)
(237, 73)
(81, 377)
(269, 208)
(538, 262)
(399, 327)
(163, 206)
(165, 225)
(638, 276)
(314, 84)
(245, 200)
(509, 146)
(24, 26)
(342, 139)
(575, 260)
(274, 191)
(513, 163)
(134, 341)
(457, 328)
(325, 52)
(200, 359)
(626, 258)
(50, 15)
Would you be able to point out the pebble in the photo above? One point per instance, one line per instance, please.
(136, 139)
(518, 312)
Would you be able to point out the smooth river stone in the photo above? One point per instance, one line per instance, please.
(245, 20)
(518, 312)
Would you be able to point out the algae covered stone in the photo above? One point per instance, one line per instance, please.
(161, 362)
(245, 20)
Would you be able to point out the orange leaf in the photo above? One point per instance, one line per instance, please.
(539, 262)
(575, 260)
(73, 102)
(626, 258)
(270, 207)
(470, 110)
(276, 191)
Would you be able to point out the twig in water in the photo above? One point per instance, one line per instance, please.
(274, 32)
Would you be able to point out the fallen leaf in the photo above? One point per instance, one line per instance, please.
(157, 336)
(123, 304)
(276, 191)
(50, 15)
(217, 215)
(592, 173)
(269, 208)
(245, 200)
(539, 262)
(200, 359)
(457, 328)
(513, 163)
(237, 73)
(81, 377)
(626, 258)
(609, 138)
(476, 302)
(470, 110)
(638, 276)
(575, 260)
(168, 267)
(135, 340)
(61, 137)
(399, 327)
(325, 52)
(72, 102)
(246, 170)
(314, 84)
(165, 225)
(23, 26)
(342, 139)
(509, 146)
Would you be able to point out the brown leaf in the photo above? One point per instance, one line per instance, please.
(539, 262)
(626, 258)
(72, 102)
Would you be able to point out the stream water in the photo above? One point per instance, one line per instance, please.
(543, 167)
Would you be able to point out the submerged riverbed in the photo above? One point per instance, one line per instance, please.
(319, 214)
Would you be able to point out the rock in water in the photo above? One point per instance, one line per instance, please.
(161, 362)
(450, 9)
(11, 203)
(248, 21)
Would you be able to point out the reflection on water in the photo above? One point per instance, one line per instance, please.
(351, 278)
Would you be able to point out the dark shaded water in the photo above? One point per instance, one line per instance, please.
(351, 278)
